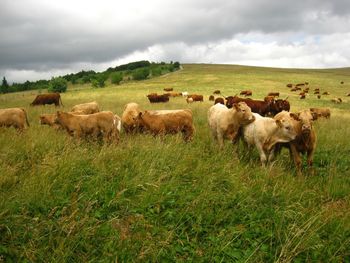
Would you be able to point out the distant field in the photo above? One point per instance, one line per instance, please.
(162, 201)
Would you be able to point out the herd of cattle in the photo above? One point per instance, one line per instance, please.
(266, 124)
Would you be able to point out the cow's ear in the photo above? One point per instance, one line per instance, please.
(236, 106)
(279, 123)
(295, 116)
(314, 116)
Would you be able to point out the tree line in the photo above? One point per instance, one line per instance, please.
(138, 70)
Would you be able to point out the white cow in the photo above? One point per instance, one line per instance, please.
(265, 132)
(225, 123)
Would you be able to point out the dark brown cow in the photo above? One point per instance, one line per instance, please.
(154, 98)
(49, 98)
(302, 96)
(168, 89)
(196, 97)
(211, 98)
(257, 106)
(273, 94)
(342, 82)
(217, 91)
(300, 84)
(279, 105)
(294, 89)
(348, 94)
(317, 92)
(290, 85)
(219, 100)
(318, 96)
(246, 93)
(326, 93)
(317, 89)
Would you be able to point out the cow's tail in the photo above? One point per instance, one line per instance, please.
(25, 115)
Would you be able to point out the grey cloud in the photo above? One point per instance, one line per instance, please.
(40, 36)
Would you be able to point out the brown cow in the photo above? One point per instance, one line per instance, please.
(318, 96)
(217, 91)
(279, 105)
(300, 84)
(246, 93)
(302, 96)
(257, 106)
(348, 94)
(337, 100)
(196, 97)
(211, 98)
(317, 92)
(49, 98)
(15, 117)
(163, 122)
(130, 113)
(273, 94)
(326, 93)
(155, 98)
(342, 82)
(50, 119)
(219, 100)
(289, 85)
(86, 108)
(168, 89)
(305, 141)
(322, 112)
(101, 123)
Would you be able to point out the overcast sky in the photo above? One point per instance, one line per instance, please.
(44, 38)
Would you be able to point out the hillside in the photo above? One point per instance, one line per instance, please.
(148, 199)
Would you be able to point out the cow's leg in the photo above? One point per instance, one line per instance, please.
(220, 138)
(262, 154)
(310, 156)
(296, 158)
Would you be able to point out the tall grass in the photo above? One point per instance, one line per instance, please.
(148, 199)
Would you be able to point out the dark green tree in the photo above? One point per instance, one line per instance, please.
(5, 87)
(116, 77)
(57, 85)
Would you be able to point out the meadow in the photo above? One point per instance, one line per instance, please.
(154, 200)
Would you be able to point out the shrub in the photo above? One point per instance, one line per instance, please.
(156, 71)
(176, 65)
(140, 74)
(116, 78)
(98, 81)
(57, 85)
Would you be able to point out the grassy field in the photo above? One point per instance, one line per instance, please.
(147, 199)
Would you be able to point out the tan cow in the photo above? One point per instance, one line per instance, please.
(101, 123)
(163, 122)
(50, 119)
(86, 108)
(266, 132)
(130, 113)
(225, 123)
(15, 117)
(305, 141)
(322, 112)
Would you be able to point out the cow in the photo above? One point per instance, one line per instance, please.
(97, 124)
(302, 96)
(294, 89)
(300, 84)
(317, 92)
(289, 85)
(257, 106)
(14, 117)
(189, 100)
(86, 108)
(321, 112)
(217, 91)
(348, 95)
(326, 93)
(196, 97)
(246, 93)
(341, 82)
(211, 98)
(305, 140)
(318, 96)
(225, 123)
(184, 94)
(130, 113)
(49, 98)
(168, 89)
(219, 100)
(49, 119)
(337, 100)
(279, 105)
(273, 94)
(163, 122)
(175, 94)
(317, 89)
(265, 132)
(155, 98)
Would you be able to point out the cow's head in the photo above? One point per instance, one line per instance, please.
(286, 125)
(306, 117)
(244, 112)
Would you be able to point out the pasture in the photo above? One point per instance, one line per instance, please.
(148, 199)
